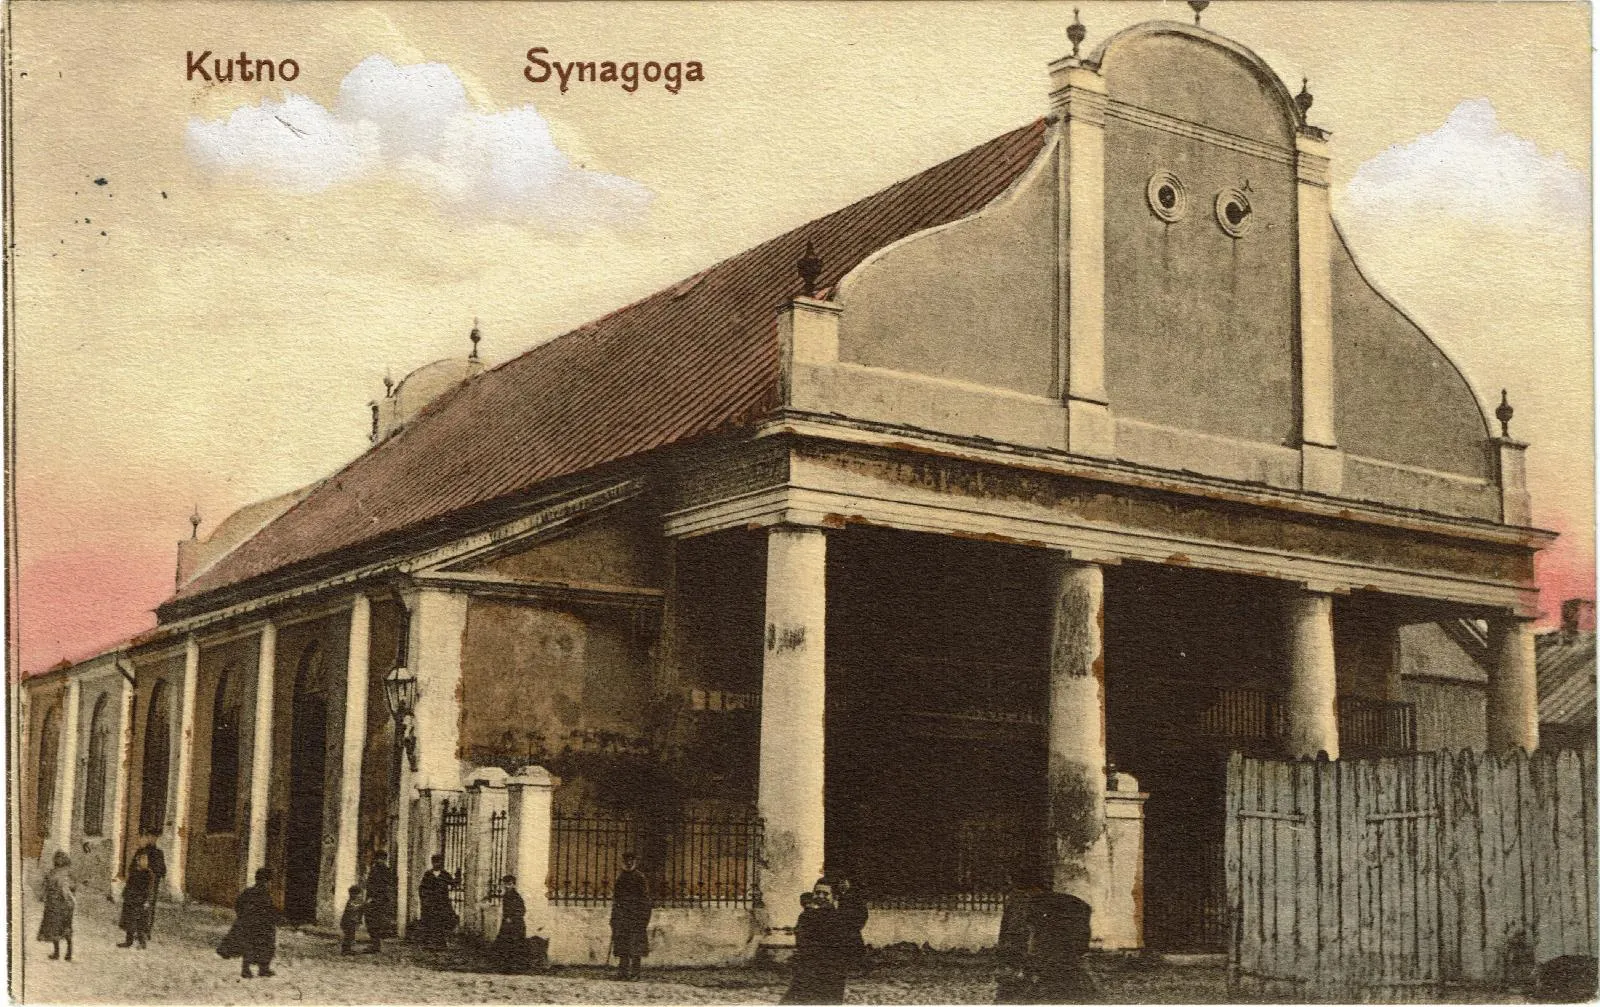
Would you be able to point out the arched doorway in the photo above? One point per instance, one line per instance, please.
(307, 762)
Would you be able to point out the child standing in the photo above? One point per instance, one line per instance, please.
(59, 902)
(350, 920)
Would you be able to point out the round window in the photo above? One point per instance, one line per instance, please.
(1233, 212)
(1168, 199)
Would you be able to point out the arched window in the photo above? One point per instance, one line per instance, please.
(49, 753)
(94, 777)
(157, 759)
(221, 805)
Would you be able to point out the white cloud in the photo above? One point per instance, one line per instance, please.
(1472, 169)
(416, 124)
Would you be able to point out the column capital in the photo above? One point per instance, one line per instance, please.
(533, 776)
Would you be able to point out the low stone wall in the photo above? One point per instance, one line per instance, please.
(724, 935)
(939, 929)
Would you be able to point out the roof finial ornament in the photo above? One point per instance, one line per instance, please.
(1197, 6)
(1504, 413)
(474, 335)
(388, 384)
(1076, 32)
(194, 523)
(1303, 100)
(810, 268)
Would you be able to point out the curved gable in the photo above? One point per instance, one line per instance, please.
(1399, 398)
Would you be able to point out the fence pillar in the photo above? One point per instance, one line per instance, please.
(1513, 700)
(1312, 699)
(790, 788)
(1075, 734)
(528, 841)
(480, 878)
(1122, 910)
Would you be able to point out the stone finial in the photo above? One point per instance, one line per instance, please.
(1197, 6)
(194, 523)
(810, 268)
(1503, 413)
(1076, 32)
(474, 335)
(1303, 100)
(388, 385)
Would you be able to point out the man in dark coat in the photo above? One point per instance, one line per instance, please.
(510, 947)
(852, 921)
(630, 917)
(254, 935)
(382, 895)
(138, 901)
(439, 918)
(821, 962)
(156, 861)
(1043, 938)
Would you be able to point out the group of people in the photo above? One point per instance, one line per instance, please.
(143, 881)
(828, 945)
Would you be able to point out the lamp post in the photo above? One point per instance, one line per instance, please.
(400, 693)
(400, 690)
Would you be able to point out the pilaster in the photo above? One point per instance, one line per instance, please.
(357, 673)
(67, 772)
(438, 623)
(1322, 464)
(1078, 99)
(179, 861)
(261, 750)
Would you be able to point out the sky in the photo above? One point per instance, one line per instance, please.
(213, 277)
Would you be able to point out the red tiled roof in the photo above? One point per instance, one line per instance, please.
(684, 362)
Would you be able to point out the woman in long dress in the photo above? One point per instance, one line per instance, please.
(59, 902)
(510, 947)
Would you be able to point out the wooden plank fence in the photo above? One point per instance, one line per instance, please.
(1397, 879)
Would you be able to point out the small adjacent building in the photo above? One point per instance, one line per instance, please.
(947, 542)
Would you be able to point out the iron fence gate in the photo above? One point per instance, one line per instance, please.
(454, 817)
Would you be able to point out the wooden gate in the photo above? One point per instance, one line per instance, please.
(1391, 879)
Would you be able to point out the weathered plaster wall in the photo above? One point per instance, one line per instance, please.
(534, 678)
(973, 301)
(325, 677)
(1397, 397)
(169, 673)
(91, 854)
(621, 547)
(1200, 326)
(581, 935)
(1237, 98)
(216, 859)
(1449, 714)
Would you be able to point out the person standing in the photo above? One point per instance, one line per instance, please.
(630, 917)
(383, 894)
(821, 950)
(350, 920)
(157, 862)
(852, 921)
(59, 902)
(510, 948)
(254, 934)
(138, 901)
(439, 918)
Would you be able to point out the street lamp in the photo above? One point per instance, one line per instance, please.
(400, 690)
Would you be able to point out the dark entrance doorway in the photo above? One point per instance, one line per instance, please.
(1193, 660)
(938, 652)
(307, 764)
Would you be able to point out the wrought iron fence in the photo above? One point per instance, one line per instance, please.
(454, 817)
(698, 860)
(496, 856)
(984, 860)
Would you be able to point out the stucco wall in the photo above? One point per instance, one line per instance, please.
(332, 637)
(1449, 714)
(974, 301)
(42, 698)
(216, 859)
(581, 935)
(1397, 396)
(533, 678)
(1142, 66)
(621, 546)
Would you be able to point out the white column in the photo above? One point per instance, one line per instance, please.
(119, 796)
(261, 751)
(67, 769)
(1076, 735)
(1312, 700)
(180, 814)
(1322, 467)
(1078, 97)
(790, 794)
(356, 679)
(438, 621)
(1513, 697)
(528, 842)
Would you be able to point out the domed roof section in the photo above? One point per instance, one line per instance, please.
(404, 401)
